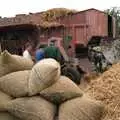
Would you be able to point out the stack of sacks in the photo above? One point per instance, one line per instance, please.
(14, 73)
(42, 94)
(20, 84)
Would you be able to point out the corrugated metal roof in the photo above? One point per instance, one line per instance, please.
(90, 9)
(27, 20)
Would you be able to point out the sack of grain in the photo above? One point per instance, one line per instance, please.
(43, 74)
(64, 89)
(32, 108)
(15, 84)
(12, 63)
(82, 108)
(7, 116)
(4, 99)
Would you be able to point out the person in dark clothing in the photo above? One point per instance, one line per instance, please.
(98, 56)
(70, 51)
(20, 51)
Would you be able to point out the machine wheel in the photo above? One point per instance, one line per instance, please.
(72, 73)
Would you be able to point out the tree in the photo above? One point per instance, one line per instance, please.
(115, 12)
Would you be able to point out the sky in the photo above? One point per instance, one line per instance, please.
(9, 8)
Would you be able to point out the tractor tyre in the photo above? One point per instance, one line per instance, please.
(72, 73)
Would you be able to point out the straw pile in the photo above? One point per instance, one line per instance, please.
(41, 93)
(49, 18)
(107, 89)
(53, 14)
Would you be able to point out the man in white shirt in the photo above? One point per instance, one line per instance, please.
(27, 52)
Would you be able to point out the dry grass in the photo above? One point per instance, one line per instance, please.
(49, 17)
(107, 89)
(89, 77)
(53, 14)
(86, 80)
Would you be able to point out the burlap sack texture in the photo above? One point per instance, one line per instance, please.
(7, 116)
(43, 74)
(64, 89)
(4, 99)
(81, 108)
(15, 84)
(12, 63)
(31, 108)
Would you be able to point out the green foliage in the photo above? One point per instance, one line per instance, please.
(115, 12)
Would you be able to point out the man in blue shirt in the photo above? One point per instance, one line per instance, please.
(39, 54)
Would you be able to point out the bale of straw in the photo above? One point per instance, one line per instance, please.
(31, 108)
(43, 74)
(52, 14)
(64, 89)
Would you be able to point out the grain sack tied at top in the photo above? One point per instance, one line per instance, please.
(43, 74)
(12, 63)
(64, 89)
(31, 108)
(82, 108)
(15, 84)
